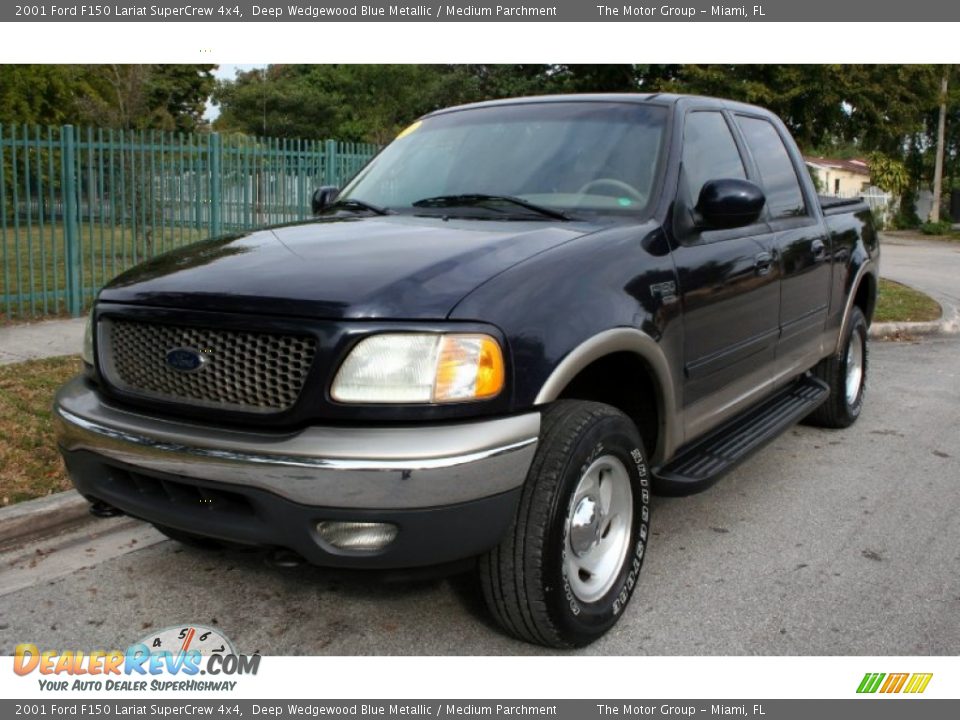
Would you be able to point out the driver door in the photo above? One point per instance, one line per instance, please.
(729, 285)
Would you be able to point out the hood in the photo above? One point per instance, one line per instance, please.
(397, 267)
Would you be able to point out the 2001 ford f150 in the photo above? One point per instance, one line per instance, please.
(515, 322)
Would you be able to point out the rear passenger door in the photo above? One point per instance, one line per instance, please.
(728, 284)
(800, 241)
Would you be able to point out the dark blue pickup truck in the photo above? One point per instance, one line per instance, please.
(514, 324)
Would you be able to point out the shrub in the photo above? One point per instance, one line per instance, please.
(906, 217)
(888, 173)
(938, 228)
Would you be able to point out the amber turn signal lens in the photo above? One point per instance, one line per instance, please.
(490, 373)
(469, 367)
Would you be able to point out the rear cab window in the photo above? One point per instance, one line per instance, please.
(778, 176)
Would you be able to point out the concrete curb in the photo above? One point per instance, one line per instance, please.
(948, 324)
(43, 515)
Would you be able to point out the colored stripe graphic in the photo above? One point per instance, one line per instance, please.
(918, 683)
(870, 682)
(894, 683)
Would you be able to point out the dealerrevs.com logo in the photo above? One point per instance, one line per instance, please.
(171, 659)
(911, 683)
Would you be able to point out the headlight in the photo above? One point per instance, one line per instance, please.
(88, 340)
(420, 368)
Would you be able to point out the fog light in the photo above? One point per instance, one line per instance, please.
(357, 536)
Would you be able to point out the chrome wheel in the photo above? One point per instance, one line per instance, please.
(598, 528)
(854, 378)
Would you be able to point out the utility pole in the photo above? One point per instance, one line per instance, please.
(938, 163)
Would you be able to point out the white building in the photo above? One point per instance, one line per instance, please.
(844, 178)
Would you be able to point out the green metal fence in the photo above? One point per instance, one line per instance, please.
(81, 205)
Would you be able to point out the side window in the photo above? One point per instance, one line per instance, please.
(709, 152)
(779, 177)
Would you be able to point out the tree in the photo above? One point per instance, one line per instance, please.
(272, 101)
(938, 161)
(140, 97)
(888, 173)
(374, 102)
(851, 110)
(180, 92)
(889, 103)
(348, 102)
(481, 82)
(167, 97)
(37, 94)
(873, 107)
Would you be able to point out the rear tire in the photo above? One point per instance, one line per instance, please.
(846, 374)
(570, 561)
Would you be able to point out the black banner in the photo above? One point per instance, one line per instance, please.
(481, 11)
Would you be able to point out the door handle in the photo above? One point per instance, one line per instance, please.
(819, 249)
(762, 262)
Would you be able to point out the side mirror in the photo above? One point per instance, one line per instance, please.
(322, 197)
(729, 203)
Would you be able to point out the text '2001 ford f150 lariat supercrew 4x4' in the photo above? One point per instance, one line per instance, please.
(515, 322)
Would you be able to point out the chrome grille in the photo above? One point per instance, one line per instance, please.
(245, 371)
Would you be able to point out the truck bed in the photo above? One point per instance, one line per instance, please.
(833, 205)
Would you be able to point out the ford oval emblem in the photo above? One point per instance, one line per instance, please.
(185, 359)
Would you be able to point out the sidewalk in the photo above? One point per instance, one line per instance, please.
(47, 338)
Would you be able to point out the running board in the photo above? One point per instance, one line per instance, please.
(701, 464)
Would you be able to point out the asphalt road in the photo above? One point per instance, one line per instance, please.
(826, 542)
(929, 265)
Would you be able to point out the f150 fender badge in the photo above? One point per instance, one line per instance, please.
(665, 291)
(185, 359)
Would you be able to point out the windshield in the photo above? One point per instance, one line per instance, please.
(567, 156)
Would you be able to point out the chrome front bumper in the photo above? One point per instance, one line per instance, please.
(364, 468)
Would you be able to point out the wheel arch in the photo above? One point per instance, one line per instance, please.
(863, 294)
(595, 367)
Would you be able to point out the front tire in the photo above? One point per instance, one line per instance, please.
(568, 565)
(846, 374)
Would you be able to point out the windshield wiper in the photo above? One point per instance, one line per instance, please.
(352, 204)
(474, 199)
